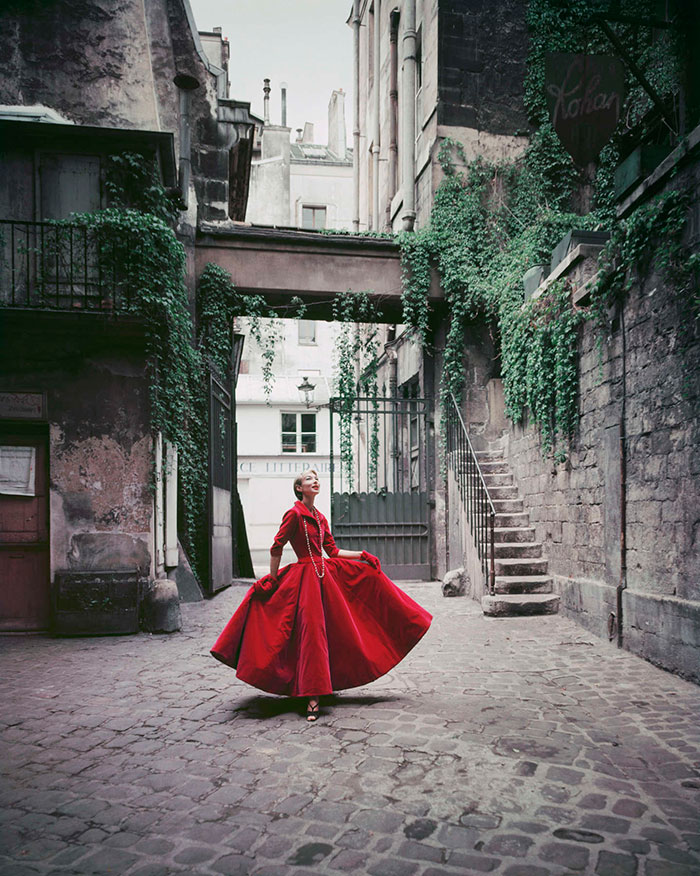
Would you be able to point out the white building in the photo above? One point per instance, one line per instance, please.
(302, 184)
(279, 436)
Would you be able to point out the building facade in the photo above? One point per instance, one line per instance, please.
(302, 184)
(426, 70)
(79, 455)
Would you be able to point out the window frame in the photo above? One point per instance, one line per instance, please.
(298, 433)
(314, 208)
(307, 342)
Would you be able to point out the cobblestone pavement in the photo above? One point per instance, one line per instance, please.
(512, 746)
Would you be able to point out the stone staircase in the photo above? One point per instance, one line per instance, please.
(523, 585)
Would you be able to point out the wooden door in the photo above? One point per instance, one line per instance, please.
(24, 534)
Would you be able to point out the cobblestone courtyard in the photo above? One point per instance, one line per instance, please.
(520, 746)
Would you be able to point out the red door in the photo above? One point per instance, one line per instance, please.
(24, 533)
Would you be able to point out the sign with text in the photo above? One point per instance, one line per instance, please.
(280, 467)
(22, 405)
(585, 94)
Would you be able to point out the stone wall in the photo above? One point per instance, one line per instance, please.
(100, 455)
(575, 505)
(481, 67)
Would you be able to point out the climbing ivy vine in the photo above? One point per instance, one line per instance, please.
(491, 222)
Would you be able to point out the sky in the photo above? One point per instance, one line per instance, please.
(305, 43)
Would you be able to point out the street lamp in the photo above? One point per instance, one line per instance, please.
(306, 391)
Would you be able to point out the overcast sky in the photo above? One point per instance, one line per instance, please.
(305, 43)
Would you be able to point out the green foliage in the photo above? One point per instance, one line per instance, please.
(147, 263)
(650, 238)
(132, 182)
(491, 222)
(356, 362)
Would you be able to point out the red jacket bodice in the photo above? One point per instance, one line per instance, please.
(293, 530)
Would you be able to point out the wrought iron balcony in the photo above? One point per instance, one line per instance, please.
(60, 266)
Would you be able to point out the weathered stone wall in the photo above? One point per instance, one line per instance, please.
(481, 68)
(100, 455)
(113, 65)
(575, 506)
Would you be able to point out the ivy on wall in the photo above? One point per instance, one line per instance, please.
(490, 222)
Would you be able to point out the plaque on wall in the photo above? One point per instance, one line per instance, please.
(22, 405)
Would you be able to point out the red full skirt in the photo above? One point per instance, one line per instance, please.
(312, 637)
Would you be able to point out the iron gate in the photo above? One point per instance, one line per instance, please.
(380, 497)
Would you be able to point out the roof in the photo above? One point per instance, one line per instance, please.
(57, 135)
(316, 153)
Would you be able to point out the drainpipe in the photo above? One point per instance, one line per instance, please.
(356, 117)
(623, 480)
(408, 147)
(185, 84)
(393, 111)
(159, 527)
(171, 554)
(375, 121)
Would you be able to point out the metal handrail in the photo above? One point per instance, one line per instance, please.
(60, 266)
(475, 495)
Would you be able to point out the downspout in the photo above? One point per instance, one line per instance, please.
(159, 522)
(375, 121)
(356, 117)
(185, 84)
(171, 552)
(408, 146)
(623, 479)
(393, 115)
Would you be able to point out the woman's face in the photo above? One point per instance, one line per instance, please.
(310, 485)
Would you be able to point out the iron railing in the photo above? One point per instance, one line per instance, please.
(476, 501)
(63, 266)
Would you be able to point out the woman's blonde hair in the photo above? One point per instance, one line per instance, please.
(298, 479)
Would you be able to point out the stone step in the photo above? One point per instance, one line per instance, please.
(508, 506)
(510, 491)
(520, 566)
(510, 605)
(523, 584)
(513, 533)
(516, 520)
(494, 466)
(489, 454)
(498, 479)
(518, 549)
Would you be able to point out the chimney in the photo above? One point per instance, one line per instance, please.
(299, 132)
(308, 135)
(266, 101)
(336, 124)
(283, 88)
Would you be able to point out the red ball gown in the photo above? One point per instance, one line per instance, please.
(313, 635)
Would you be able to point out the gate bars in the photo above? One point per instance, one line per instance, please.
(476, 500)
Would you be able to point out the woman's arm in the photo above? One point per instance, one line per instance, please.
(350, 555)
(274, 564)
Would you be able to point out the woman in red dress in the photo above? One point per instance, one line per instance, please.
(318, 625)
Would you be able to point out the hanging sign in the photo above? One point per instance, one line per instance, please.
(585, 94)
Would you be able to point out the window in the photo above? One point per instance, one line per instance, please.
(298, 433)
(68, 184)
(307, 331)
(313, 217)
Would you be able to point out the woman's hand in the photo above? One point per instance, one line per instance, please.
(371, 560)
(266, 586)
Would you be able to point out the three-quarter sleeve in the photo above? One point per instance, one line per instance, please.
(287, 529)
(328, 541)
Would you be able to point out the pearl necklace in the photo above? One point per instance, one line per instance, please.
(308, 545)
